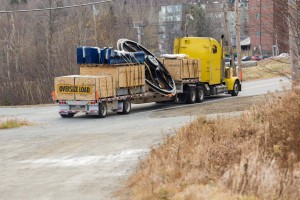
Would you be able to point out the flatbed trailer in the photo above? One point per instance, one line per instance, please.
(122, 104)
(100, 107)
(188, 91)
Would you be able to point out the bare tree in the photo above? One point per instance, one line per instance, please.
(294, 40)
(238, 39)
(228, 36)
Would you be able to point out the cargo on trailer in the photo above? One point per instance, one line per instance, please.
(183, 68)
(125, 76)
(76, 87)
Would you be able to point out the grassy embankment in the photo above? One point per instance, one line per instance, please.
(13, 123)
(267, 68)
(254, 156)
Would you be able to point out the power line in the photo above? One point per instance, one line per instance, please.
(56, 8)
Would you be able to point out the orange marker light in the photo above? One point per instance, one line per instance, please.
(53, 95)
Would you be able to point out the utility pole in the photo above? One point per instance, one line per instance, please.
(139, 28)
(188, 17)
(238, 39)
(293, 36)
(95, 13)
(260, 21)
(228, 37)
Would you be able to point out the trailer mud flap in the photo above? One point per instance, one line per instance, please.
(120, 106)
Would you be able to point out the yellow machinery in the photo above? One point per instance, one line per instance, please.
(215, 77)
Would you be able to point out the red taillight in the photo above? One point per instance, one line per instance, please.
(97, 95)
(53, 95)
(62, 102)
(92, 103)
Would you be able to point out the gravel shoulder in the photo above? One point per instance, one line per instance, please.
(221, 105)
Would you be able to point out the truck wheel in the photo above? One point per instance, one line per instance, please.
(182, 98)
(235, 90)
(126, 107)
(69, 115)
(191, 99)
(199, 94)
(102, 110)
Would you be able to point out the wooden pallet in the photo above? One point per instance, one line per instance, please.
(181, 69)
(124, 75)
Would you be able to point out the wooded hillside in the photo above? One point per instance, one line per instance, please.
(36, 46)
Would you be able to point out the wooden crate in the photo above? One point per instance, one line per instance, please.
(124, 76)
(102, 84)
(84, 87)
(106, 86)
(183, 68)
(64, 80)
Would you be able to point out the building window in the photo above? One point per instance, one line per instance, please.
(257, 33)
(257, 15)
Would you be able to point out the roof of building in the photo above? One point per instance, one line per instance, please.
(245, 42)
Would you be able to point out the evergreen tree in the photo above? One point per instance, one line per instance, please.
(201, 23)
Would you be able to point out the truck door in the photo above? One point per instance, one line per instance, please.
(215, 77)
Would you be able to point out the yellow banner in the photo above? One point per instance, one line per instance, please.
(74, 89)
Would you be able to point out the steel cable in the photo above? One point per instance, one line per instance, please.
(157, 76)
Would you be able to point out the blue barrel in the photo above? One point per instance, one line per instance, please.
(110, 56)
(103, 55)
(138, 57)
(118, 57)
(80, 55)
(92, 55)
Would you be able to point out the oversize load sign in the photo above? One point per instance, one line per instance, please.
(74, 89)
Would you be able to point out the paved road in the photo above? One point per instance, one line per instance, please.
(249, 63)
(266, 85)
(85, 157)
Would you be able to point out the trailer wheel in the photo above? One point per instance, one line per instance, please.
(235, 90)
(191, 95)
(199, 94)
(126, 107)
(69, 115)
(102, 110)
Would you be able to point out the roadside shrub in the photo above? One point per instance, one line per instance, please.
(252, 156)
(13, 123)
(273, 170)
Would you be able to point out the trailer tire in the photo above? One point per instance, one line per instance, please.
(102, 110)
(191, 95)
(69, 115)
(235, 90)
(199, 94)
(126, 108)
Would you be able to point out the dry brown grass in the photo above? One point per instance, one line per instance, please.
(255, 156)
(267, 69)
(13, 123)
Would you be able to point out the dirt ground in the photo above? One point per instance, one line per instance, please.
(227, 105)
(268, 68)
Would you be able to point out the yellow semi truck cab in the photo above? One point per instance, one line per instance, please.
(215, 77)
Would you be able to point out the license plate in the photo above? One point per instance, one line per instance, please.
(77, 107)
